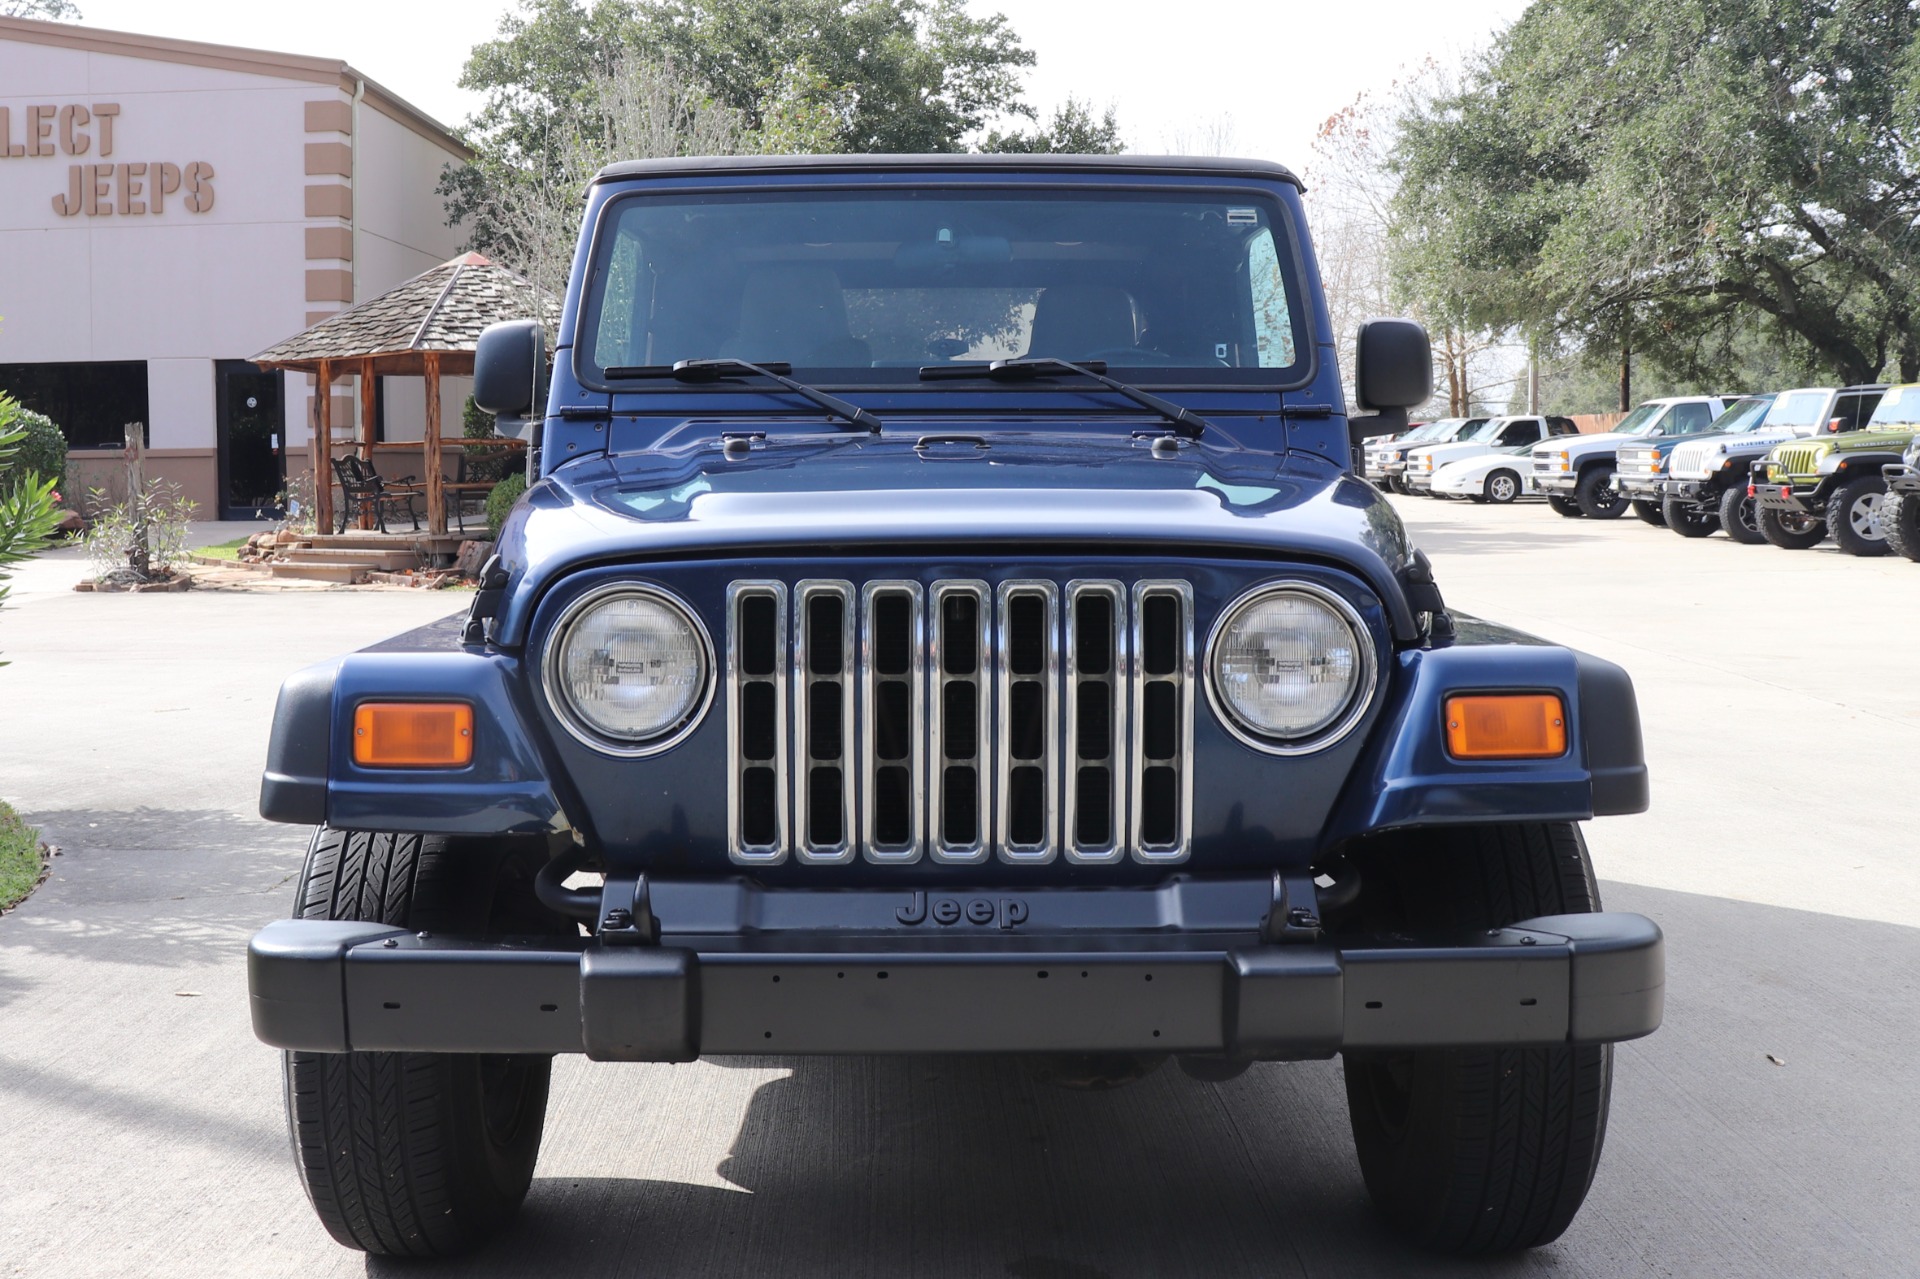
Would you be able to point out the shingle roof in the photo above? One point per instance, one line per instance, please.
(443, 309)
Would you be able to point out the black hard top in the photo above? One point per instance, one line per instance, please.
(965, 163)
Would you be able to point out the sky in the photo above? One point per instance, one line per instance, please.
(1254, 78)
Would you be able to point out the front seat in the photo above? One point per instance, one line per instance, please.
(1073, 321)
(797, 314)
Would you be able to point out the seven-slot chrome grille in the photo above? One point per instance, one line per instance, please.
(959, 721)
(1799, 459)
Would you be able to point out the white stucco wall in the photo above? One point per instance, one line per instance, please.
(222, 283)
(183, 287)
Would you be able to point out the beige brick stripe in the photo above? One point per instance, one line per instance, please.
(329, 157)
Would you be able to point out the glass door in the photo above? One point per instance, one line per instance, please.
(252, 426)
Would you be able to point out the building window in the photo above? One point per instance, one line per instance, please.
(90, 403)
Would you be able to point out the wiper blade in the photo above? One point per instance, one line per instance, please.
(1186, 423)
(715, 370)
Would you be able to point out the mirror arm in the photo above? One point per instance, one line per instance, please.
(1385, 422)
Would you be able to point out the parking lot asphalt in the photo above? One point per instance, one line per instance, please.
(1768, 1128)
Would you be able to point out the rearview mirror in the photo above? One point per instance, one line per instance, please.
(1392, 373)
(1392, 365)
(509, 364)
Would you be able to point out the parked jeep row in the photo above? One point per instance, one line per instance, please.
(1792, 468)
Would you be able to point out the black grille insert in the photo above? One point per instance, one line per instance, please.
(757, 723)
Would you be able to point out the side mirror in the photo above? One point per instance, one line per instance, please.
(1836, 425)
(1392, 373)
(509, 365)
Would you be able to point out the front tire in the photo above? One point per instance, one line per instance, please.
(1683, 519)
(1565, 506)
(1740, 516)
(1478, 1150)
(1853, 516)
(1649, 512)
(1597, 497)
(1790, 530)
(418, 1154)
(1900, 521)
(1502, 487)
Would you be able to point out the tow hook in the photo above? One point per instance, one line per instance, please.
(626, 913)
(1295, 916)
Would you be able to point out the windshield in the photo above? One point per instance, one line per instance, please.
(1640, 421)
(868, 287)
(1900, 406)
(1798, 408)
(1484, 431)
(1745, 415)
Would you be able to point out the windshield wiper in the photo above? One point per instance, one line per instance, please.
(715, 370)
(1186, 423)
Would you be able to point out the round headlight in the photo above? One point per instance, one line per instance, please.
(1291, 667)
(628, 668)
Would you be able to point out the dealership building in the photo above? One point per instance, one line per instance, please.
(169, 208)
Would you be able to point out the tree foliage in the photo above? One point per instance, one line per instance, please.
(47, 10)
(719, 77)
(1676, 179)
(1073, 130)
(1351, 199)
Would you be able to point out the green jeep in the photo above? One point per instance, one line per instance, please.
(1805, 489)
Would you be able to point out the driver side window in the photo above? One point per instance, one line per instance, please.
(1272, 324)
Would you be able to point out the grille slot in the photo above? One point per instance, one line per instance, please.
(892, 640)
(756, 722)
(823, 713)
(1162, 818)
(1096, 715)
(1029, 736)
(959, 715)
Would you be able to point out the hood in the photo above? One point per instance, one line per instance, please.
(1583, 443)
(1057, 491)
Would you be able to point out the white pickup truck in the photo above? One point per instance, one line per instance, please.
(1577, 473)
(1497, 433)
(1386, 461)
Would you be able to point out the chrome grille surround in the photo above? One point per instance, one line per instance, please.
(1178, 674)
(1045, 683)
(873, 679)
(1106, 691)
(944, 737)
(739, 679)
(810, 697)
(1061, 665)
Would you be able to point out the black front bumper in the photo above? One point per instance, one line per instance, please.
(1698, 491)
(974, 985)
(1785, 497)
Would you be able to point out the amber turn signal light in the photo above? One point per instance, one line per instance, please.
(1506, 726)
(413, 735)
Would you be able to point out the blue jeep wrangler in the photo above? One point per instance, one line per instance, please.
(947, 620)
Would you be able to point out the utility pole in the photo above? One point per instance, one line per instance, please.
(1533, 376)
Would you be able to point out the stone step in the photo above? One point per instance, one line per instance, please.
(433, 543)
(346, 573)
(386, 560)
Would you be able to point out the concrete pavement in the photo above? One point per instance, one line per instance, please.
(140, 1124)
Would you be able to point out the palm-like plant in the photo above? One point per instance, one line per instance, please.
(27, 514)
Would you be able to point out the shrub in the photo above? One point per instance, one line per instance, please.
(40, 449)
(501, 501)
(486, 462)
(140, 538)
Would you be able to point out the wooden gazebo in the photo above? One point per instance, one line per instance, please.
(427, 327)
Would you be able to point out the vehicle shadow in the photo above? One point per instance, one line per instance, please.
(968, 1167)
(154, 887)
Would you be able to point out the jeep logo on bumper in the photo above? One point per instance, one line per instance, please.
(1011, 912)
